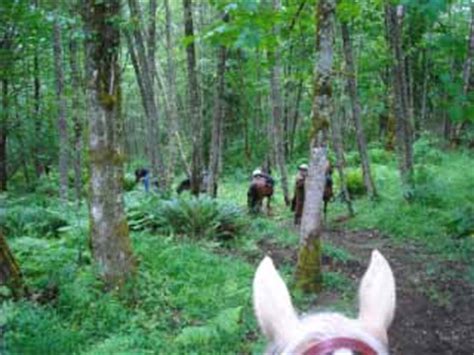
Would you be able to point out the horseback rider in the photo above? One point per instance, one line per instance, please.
(297, 202)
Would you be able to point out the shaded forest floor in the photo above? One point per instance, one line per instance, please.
(434, 300)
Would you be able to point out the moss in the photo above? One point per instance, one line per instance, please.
(308, 273)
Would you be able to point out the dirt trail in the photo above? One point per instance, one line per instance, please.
(435, 305)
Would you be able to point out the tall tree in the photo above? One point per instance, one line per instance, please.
(217, 120)
(356, 116)
(308, 271)
(110, 241)
(61, 100)
(194, 102)
(277, 109)
(394, 19)
(76, 111)
(145, 71)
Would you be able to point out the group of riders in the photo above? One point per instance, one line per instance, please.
(261, 186)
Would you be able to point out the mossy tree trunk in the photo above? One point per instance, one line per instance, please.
(194, 106)
(109, 233)
(3, 136)
(308, 273)
(10, 274)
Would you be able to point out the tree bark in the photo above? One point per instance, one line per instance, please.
(61, 122)
(394, 15)
(39, 168)
(217, 121)
(10, 274)
(109, 233)
(175, 144)
(3, 136)
(356, 111)
(308, 272)
(194, 107)
(309, 276)
(145, 69)
(277, 114)
(76, 118)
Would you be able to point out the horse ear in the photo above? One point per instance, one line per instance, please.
(272, 302)
(377, 297)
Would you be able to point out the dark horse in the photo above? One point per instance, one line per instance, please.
(185, 185)
(261, 187)
(298, 200)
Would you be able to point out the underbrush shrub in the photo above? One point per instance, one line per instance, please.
(355, 182)
(461, 222)
(32, 220)
(426, 150)
(196, 218)
(380, 156)
(128, 182)
(429, 189)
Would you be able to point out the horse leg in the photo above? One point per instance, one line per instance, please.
(269, 209)
(325, 210)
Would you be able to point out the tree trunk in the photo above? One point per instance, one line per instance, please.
(110, 241)
(10, 274)
(403, 130)
(145, 71)
(339, 149)
(277, 114)
(308, 273)
(62, 124)
(175, 144)
(217, 121)
(468, 75)
(194, 107)
(39, 168)
(76, 118)
(356, 116)
(3, 136)
(309, 276)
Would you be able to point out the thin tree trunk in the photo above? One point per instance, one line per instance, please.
(217, 121)
(339, 149)
(468, 74)
(62, 124)
(10, 274)
(194, 107)
(3, 136)
(39, 168)
(146, 70)
(403, 131)
(308, 270)
(76, 118)
(175, 144)
(277, 114)
(110, 241)
(356, 116)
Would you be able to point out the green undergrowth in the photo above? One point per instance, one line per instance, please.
(441, 214)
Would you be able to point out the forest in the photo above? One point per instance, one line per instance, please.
(161, 159)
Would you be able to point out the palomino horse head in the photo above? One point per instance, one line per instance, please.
(326, 333)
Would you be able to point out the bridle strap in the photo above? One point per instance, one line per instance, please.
(329, 346)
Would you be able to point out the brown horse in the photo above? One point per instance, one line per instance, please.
(261, 187)
(328, 332)
(297, 203)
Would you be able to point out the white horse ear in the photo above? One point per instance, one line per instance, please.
(377, 297)
(272, 302)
